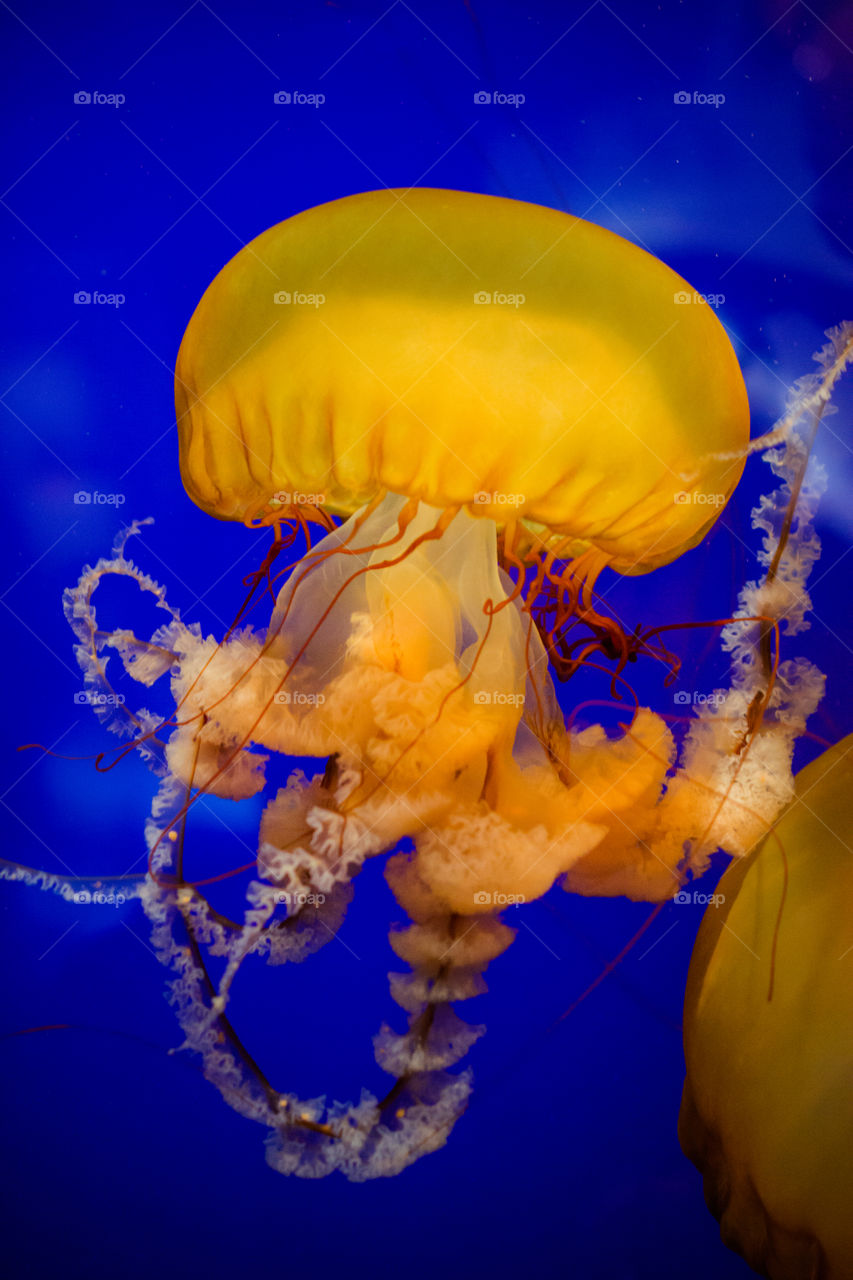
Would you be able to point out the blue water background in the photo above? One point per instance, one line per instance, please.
(119, 1160)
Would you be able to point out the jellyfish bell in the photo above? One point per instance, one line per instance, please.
(468, 352)
(767, 1110)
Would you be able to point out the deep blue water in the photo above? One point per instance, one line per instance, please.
(119, 1159)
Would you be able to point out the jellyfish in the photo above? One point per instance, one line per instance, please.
(767, 1110)
(477, 405)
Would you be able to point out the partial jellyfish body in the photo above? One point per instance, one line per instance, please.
(479, 428)
(767, 1110)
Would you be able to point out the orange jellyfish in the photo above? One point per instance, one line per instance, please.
(767, 1111)
(481, 404)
